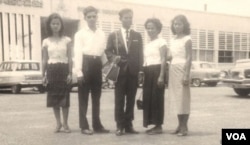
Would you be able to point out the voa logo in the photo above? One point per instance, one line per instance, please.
(236, 136)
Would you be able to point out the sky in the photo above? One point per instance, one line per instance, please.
(232, 7)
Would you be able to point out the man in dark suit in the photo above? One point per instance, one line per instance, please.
(125, 48)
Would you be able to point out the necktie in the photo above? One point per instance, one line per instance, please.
(127, 37)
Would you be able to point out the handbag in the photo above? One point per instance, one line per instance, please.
(111, 69)
(139, 102)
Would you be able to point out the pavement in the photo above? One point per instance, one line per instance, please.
(25, 120)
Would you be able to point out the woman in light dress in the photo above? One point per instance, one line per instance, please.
(179, 73)
(57, 70)
(154, 77)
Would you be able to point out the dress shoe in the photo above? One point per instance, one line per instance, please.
(119, 132)
(66, 129)
(101, 130)
(87, 131)
(156, 130)
(58, 128)
(182, 133)
(131, 130)
(176, 131)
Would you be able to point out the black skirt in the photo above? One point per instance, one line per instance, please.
(57, 88)
(153, 97)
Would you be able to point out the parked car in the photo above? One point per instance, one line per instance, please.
(204, 72)
(239, 77)
(20, 74)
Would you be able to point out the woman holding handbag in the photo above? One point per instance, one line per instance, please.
(154, 77)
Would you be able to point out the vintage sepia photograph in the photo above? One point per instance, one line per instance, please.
(124, 72)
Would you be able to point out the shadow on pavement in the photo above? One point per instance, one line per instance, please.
(238, 97)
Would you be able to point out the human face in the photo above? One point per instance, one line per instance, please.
(55, 25)
(91, 18)
(152, 30)
(127, 20)
(178, 26)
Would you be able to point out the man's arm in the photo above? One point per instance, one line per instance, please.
(110, 48)
(140, 53)
(78, 55)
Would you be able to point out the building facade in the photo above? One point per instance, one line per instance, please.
(221, 39)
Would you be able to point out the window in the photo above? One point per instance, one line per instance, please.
(222, 40)
(1, 67)
(210, 41)
(229, 44)
(28, 67)
(203, 38)
(106, 27)
(140, 28)
(194, 38)
(166, 34)
(244, 41)
(206, 55)
(194, 54)
(240, 55)
(236, 41)
(225, 56)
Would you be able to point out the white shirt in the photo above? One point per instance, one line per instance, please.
(57, 50)
(124, 33)
(87, 42)
(178, 49)
(152, 55)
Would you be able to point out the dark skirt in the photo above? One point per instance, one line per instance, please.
(58, 89)
(153, 97)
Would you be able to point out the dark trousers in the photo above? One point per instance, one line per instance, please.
(92, 71)
(125, 92)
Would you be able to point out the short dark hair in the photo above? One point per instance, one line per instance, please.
(185, 22)
(125, 11)
(89, 9)
(156, 22)
(50, 18)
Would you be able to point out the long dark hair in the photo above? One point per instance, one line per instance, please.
(183, 19)
(50, 18)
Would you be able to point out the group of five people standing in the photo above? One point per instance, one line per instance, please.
(125, 47)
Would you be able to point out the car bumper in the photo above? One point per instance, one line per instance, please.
(236, 83)
(210, 80)
(24, 83)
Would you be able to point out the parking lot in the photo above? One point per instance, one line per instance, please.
(25, 120)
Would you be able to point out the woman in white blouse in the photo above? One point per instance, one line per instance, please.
(57, 69)
(154, 77)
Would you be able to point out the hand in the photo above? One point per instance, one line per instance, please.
(45, 81)
(160, 81)
(69, 79)
(80, 80)
(185, 81)
(140, 77)
(117, 59)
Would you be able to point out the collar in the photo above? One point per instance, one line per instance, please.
(124, 30)
(88, 29)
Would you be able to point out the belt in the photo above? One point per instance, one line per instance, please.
(91, 56)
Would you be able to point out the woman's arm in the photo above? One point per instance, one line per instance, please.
(70, 57)
(188, 47)
(163, 50)
(45, 58)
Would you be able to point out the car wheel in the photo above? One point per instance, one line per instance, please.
(196, 82)
(16, 89)
(242, 92)
(41, 89)
(213, 84)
